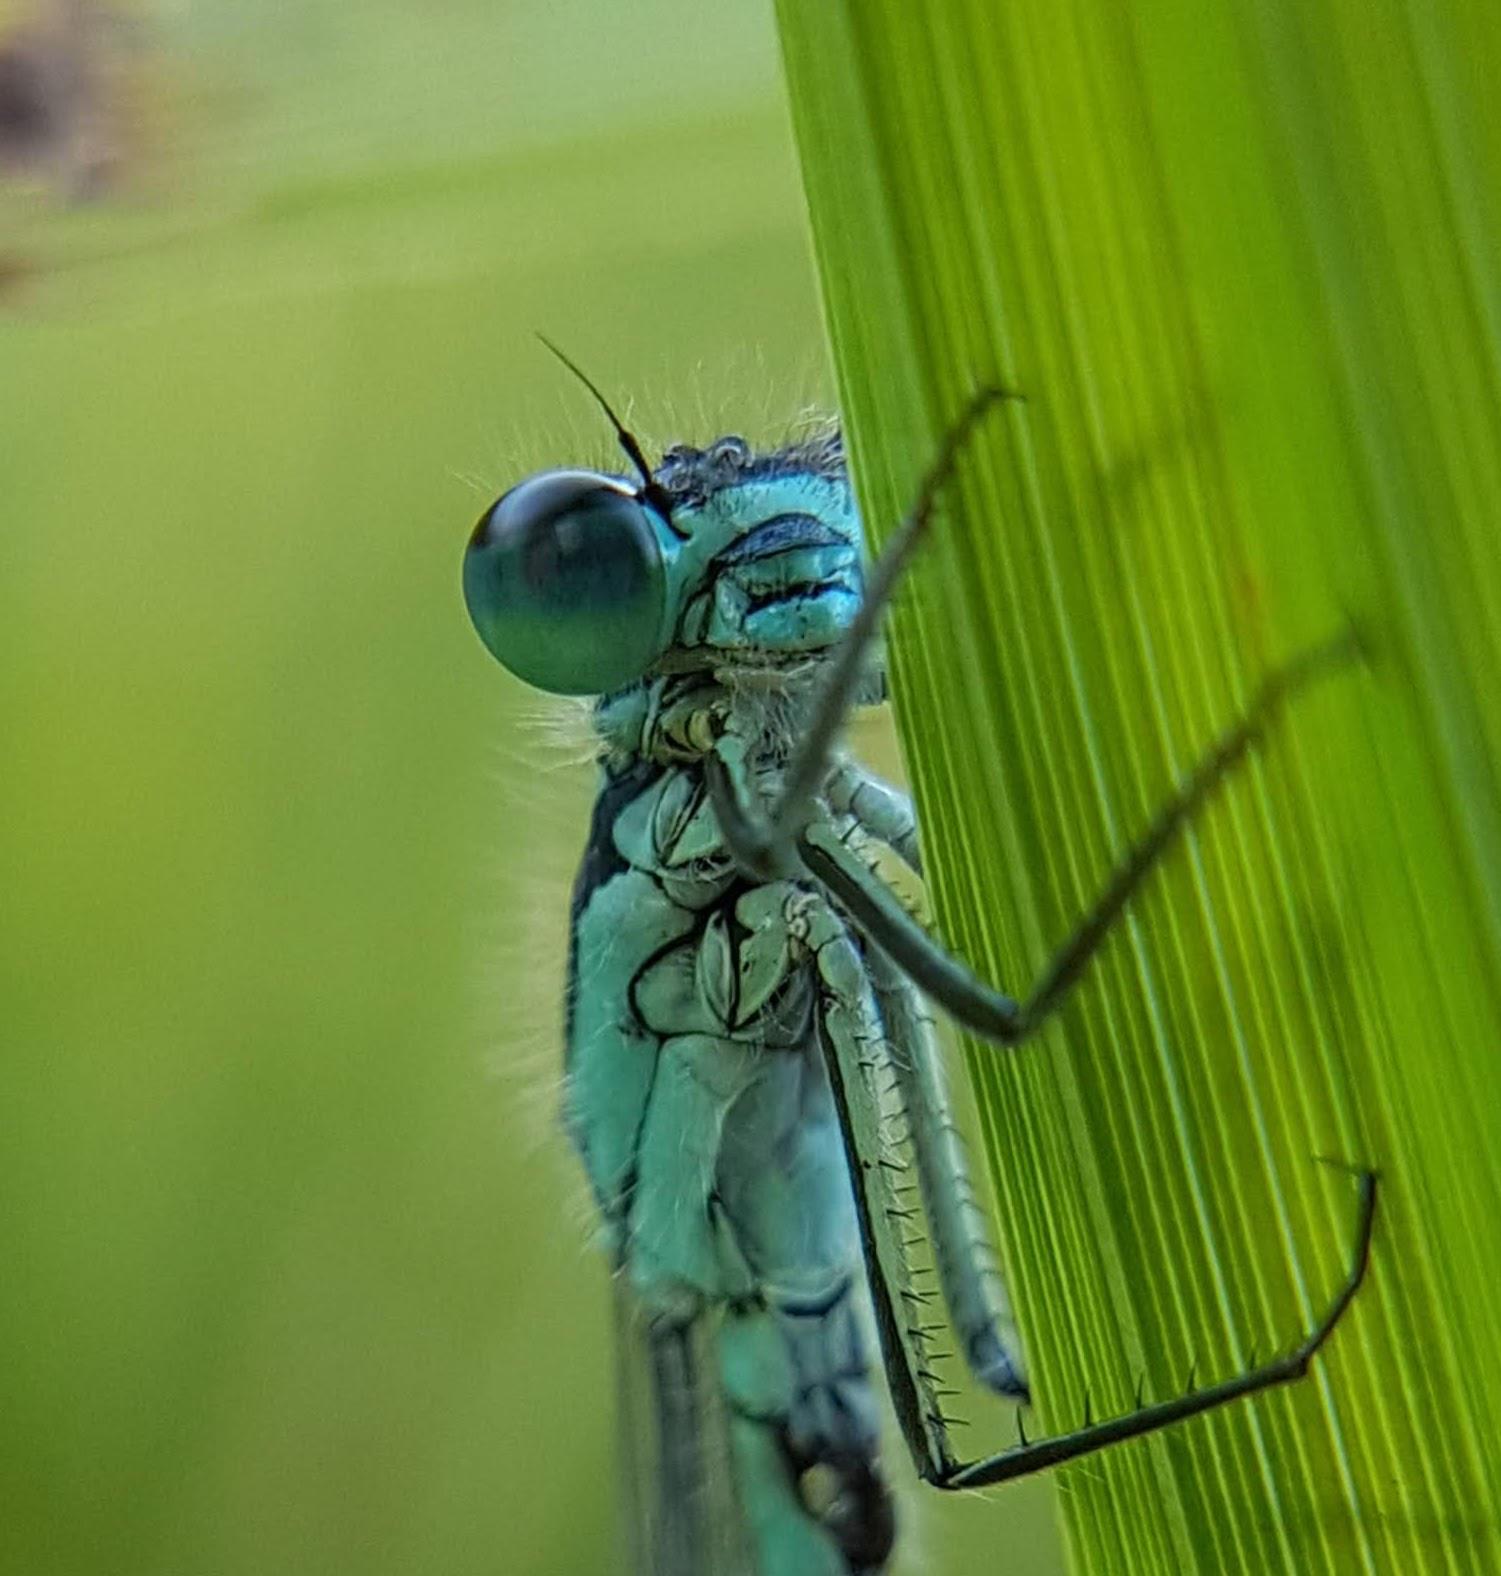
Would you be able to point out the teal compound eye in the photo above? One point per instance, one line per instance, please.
(566, 582)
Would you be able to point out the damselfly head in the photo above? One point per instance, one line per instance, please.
(720, 558)
(581, 584)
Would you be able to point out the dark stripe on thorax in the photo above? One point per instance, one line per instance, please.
(602, 861)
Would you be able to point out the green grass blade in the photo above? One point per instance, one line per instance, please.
(1242, 258)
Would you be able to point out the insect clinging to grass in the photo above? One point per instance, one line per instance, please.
(750, 1080)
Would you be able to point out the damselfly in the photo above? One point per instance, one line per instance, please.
(750, 1079)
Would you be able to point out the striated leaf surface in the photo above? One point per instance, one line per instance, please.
(1243, 258)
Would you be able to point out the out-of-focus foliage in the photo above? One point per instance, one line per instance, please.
(293, 1272)
(1242, 259)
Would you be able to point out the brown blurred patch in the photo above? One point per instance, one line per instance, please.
(14, 272)
(65, 121)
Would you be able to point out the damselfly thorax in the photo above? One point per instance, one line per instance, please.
(751, 1081)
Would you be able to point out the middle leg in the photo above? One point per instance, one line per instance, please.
(951, 983)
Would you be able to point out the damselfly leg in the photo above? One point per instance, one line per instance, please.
(1044, 1453)
(950, 982)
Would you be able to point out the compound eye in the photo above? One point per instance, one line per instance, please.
(566, 583)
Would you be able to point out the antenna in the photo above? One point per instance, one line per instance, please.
(652, 492)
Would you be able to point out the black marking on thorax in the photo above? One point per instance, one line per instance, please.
(602, 861)
(781, 533)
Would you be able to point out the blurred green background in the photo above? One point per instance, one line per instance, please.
(294, 1272)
